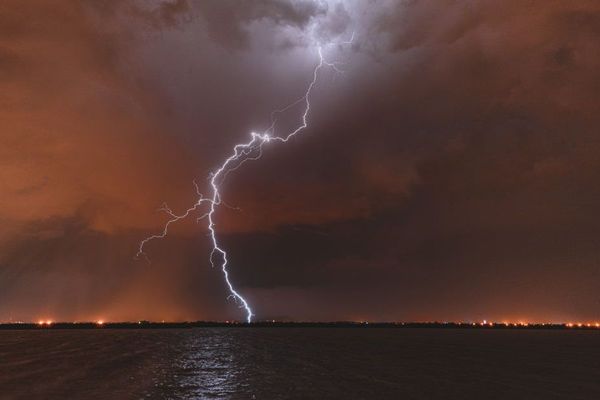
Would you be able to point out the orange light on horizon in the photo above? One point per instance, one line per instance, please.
(481, 323)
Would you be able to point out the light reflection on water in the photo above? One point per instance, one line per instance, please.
(298, 363)
(209, 368)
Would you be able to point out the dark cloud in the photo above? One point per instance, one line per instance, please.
(160, 14)
(227, 22)
(450, 173)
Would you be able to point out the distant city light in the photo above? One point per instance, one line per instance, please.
(482, 324)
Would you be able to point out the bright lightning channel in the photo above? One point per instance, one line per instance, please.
(242, 152)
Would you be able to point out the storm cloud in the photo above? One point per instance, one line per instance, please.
(451, 171)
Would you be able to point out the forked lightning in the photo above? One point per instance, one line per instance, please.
(251, 150)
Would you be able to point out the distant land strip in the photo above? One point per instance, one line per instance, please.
(281, 324)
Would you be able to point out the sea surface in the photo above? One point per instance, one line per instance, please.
(299, 363)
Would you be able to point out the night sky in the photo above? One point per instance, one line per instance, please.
(451, 172)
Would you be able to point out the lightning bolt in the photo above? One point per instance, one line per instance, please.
(242, 152)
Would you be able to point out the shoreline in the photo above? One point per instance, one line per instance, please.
(277, 324)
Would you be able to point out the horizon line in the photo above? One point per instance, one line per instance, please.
(46, 324)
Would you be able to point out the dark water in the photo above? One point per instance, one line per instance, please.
(299, 363)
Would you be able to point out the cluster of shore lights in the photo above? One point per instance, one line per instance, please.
(567, 324)
(580, 325)
(484, 323)
(49, 322)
